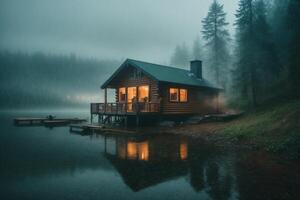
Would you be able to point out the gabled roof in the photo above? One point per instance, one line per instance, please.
(164, 73)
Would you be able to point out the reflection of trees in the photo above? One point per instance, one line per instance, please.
(220, 184)
(197, 174)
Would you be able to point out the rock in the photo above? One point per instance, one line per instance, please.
(167, 124)
(194, 120)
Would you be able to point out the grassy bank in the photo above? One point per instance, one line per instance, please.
(275, 128)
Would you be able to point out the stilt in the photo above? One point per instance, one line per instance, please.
(137, 122)
(126, 121)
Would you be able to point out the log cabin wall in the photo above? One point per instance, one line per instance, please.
(130, 78)
(200, 101)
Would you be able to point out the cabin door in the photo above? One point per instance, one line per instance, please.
(131, 97)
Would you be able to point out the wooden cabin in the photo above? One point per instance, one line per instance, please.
(144, 89)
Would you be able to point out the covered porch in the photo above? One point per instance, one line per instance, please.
(133, 101)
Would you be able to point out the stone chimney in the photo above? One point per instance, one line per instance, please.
(196, 68)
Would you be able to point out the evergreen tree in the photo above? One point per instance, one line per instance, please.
(180, 57)
(293, 23)
(245, 73)
(278, 15)
(257, 61)
(266, 59)
(216, 36)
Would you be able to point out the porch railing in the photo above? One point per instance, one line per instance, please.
(124, 108)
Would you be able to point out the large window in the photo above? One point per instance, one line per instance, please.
(122, 94)
(143, 93)
(178, 95)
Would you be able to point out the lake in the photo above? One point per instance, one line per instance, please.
(52, 163)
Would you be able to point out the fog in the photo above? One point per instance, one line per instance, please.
(60, 51)
(114, 29)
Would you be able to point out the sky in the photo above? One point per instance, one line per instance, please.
(105, 29)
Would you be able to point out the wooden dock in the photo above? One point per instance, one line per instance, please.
(46, 121)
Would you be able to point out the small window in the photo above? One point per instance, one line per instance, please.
(122, 94)
(183, 95)
(174, 95)
(178, 95)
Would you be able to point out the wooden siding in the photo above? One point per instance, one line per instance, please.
(126, 79)
(200, 101)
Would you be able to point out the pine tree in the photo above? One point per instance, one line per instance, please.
(266, 59)
(216, 36)
(180, 57)
(257, 61)
(293, 23)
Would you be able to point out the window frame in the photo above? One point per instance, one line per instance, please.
(173, 101)
(178, 95)
(138, 92)
(187, 95)
(119, 100)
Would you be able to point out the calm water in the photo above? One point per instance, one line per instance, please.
(44, 163)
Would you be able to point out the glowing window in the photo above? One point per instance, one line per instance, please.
(183, 95)
(143, 93)
(183, 150)
(131, 150)
(122, 94)
(174, 94)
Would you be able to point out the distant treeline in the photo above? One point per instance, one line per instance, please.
(41, 80)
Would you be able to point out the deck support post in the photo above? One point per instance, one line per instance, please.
(105, 99)
(137, 122)
(126, 122)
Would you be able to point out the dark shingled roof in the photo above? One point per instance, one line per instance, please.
(164, 73)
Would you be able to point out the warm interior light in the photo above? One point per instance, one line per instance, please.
(143, 93)
(131, 94)
(138, 151)
(131, 150)
(131, 97)
(174, 94)
(143, 151)
(122, 94)
(183, 150)
(183, 95)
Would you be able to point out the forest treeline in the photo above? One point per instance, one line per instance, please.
(257, 64)
(42, 80)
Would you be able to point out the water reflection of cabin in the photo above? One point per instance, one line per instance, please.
(143, 162)
(146, 89)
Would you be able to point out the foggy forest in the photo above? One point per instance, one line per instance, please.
(254, 57)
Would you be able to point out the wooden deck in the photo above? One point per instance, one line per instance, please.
(125, 108)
